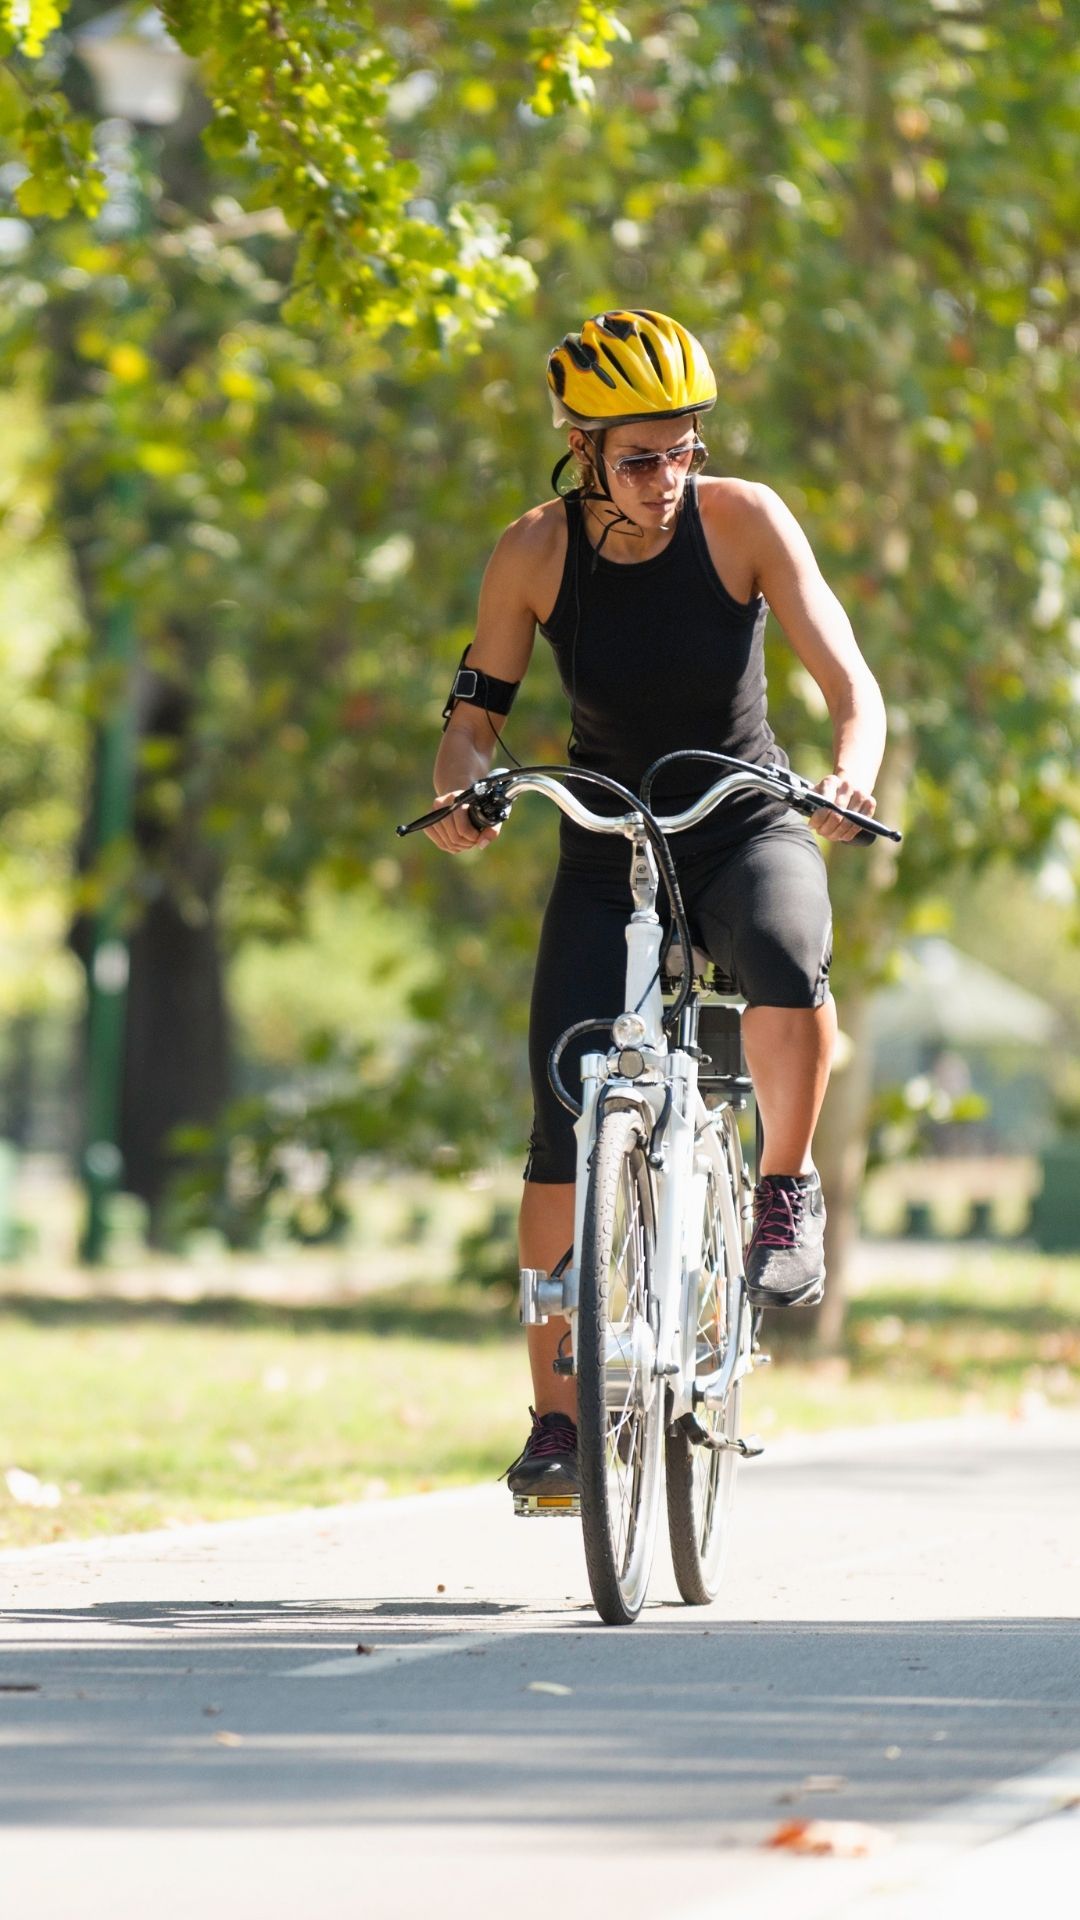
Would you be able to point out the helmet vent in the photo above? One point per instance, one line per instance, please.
(653, 355)
(582, 356)
(616, 363)
(557, 374)
(622, 329)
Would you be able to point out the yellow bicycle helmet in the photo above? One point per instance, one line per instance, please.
(625, 366)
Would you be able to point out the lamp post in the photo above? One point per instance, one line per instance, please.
(140, 74)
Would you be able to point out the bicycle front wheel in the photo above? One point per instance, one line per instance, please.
(700, 1479)
(620, 1400)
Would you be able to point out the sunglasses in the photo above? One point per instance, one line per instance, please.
(636, 469)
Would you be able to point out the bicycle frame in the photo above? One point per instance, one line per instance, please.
(683, 1134)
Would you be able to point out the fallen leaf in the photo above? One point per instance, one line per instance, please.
(440, 1588)
(893, 1753)
(842, 1839)
(547, 1686)
(224, 1739)
(19, 1686)
(360, 1648)
(211, 1711)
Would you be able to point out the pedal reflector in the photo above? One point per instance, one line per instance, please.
(547, 1506)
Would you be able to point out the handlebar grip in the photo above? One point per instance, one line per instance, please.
(869, 829)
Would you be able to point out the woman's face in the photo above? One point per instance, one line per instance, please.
(646, 490)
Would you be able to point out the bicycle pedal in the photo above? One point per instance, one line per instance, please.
(751, 1447)
(547, 1506)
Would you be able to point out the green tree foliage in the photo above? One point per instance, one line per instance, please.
(311, 94)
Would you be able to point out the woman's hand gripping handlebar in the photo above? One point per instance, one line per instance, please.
(458, 822)
(783, 784)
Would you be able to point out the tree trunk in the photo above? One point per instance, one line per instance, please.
(176, 1066)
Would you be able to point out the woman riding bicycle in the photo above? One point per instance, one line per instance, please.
(652, 588)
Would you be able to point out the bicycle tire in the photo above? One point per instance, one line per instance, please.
(701, 1480)
(620, 1401)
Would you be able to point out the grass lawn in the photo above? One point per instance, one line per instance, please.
(153, 1414)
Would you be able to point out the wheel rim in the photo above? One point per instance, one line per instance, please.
(632, 1441)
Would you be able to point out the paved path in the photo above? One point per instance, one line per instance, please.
(896, 1638)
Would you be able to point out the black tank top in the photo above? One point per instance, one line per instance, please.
(656, 655)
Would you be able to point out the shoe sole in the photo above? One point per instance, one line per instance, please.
(809, 1296)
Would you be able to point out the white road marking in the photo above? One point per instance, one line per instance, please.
(385, 1654)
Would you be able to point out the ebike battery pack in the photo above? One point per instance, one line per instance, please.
(720, 1036)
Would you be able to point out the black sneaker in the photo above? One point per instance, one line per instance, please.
(785, 1261)
(548, 1461)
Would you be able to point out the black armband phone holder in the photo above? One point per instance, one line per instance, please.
(478, 689)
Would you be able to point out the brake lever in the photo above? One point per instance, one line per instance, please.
(427, 820)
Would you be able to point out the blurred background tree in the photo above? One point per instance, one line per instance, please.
(870, 216)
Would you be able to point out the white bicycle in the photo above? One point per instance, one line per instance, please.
(662, 1335)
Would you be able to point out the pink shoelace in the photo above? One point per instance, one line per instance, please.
(779, 1212)
(550, 1439)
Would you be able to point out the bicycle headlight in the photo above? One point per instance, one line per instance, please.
(631, 1063)
(628, 1030)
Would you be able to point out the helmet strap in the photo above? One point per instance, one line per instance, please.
(603, 496)
(617, 517)
(557, 472)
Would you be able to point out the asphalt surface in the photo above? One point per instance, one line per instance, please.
(187, 1726)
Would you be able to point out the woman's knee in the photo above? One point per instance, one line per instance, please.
(785, 967)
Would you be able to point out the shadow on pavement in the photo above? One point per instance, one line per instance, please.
(690, 1728)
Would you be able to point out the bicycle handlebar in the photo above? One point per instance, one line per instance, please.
(488, 801)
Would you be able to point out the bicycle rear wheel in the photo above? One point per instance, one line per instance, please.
(620, 1400)
(700, 1479)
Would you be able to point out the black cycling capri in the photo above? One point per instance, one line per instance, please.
(761, 911)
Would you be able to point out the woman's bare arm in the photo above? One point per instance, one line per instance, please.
(821, 635)
(505, 630)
